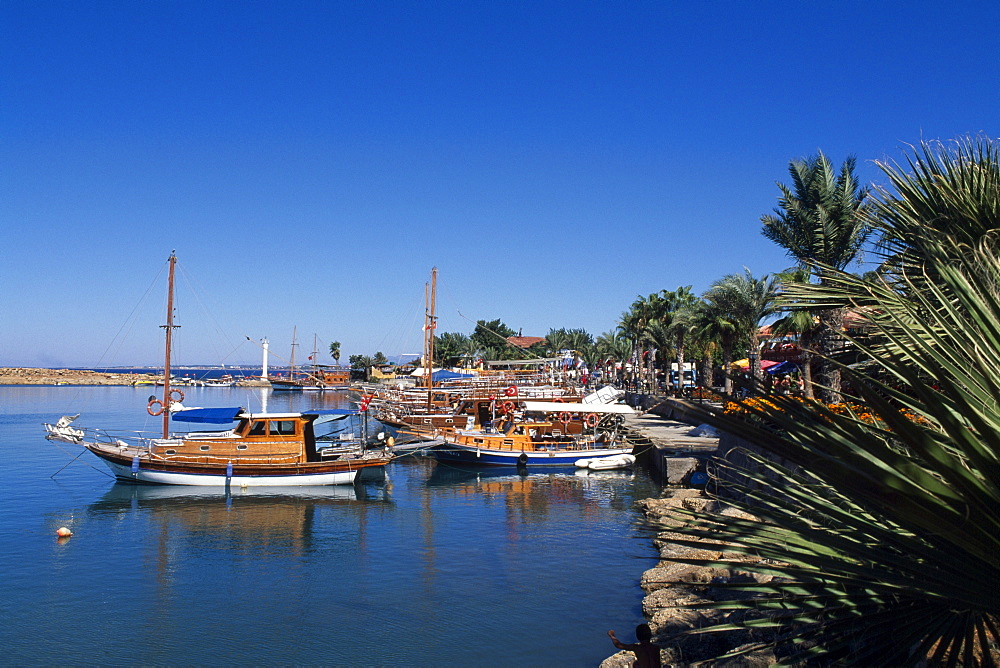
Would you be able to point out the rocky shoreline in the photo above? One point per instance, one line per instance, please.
(34, 376)
(669, 585)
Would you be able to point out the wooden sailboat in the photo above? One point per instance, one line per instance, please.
(262, 449)
(290, 384)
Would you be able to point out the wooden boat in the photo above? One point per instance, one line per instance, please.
(263, 449)
(272, 449)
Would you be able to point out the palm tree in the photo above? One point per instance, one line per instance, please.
(335, 351)
(715, 323)
(823, 221)
(682, 316)
(799, 321)
(939, 171)
(450, 347)
(557, 340)
(876, 506)
(746, 301)
(578, 339)
(614, 347)
(634, 323)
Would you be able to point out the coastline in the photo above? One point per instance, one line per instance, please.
(43, 376)
(39, 376)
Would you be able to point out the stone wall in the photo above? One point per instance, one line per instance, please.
(670, 586)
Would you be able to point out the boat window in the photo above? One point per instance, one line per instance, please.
(283, 427)
(508, 442)
(170, 452)
(449, 421)
(428, 421)
(204, 448)
(257, 429)
(241, 447)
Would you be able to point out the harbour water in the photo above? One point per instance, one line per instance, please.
(424, 565)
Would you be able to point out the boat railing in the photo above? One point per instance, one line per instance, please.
(236, 460)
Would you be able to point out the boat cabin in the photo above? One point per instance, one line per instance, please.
(284, 436)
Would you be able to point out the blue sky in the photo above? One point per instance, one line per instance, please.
(311, 161)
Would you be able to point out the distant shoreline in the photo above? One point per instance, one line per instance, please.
(41, 376)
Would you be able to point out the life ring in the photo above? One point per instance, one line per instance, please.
(507, 406)
(591, 420)
(511, 391)
(180, 395)
(155, 411)
(565, 417)
(557, 400)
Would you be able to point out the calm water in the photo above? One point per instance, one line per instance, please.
(426, 565)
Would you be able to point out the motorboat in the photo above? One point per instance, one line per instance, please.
(524, 444)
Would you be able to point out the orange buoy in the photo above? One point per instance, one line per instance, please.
(63, 532)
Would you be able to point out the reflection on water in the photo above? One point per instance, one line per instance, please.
(257, 516)
(537, 489)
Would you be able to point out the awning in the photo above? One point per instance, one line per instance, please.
(332, 414)
(560, 406)
(783, 367)
(444, 374)
(212, 415)
(744, 364)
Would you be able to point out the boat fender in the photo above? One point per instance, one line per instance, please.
(179, 393)
(591, 420)
(581, 463)
(229, 471)
(135, 463)
(523, 459)
(511, 391)
(155, 407)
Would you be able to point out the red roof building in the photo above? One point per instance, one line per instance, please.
(524, 341)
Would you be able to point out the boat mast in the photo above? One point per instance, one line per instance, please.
(291, 372)
(315, 358)
(431, 324)
(166, 358)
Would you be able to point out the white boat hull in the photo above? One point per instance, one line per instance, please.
(608, 463)
(125, 473)
(469, 454)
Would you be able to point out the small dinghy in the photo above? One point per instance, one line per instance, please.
(606, 463)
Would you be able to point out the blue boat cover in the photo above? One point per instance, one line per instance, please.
(449, 375)
(213, 415)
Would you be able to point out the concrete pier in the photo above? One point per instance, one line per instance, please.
(663, 439)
